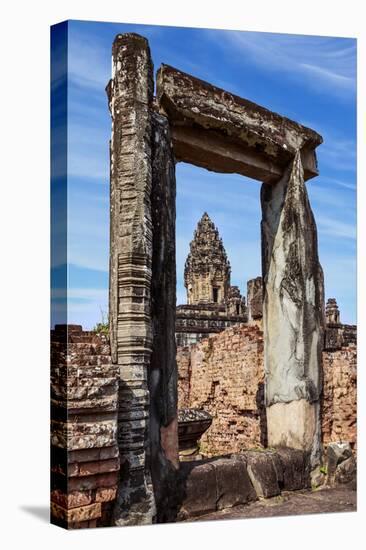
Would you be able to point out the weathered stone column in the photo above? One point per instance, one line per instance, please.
(292, 314)
(163, 369)
(130, 94)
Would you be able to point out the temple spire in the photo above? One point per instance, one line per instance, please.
(207, 268)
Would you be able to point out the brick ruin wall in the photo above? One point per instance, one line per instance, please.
(84, 451)
(339, 408)
(224, 375)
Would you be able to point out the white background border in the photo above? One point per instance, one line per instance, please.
(24, 487)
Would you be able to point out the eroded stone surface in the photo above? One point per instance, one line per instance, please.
(130, 94)
(84, 453)
(255, 299)
(293, 311)
(162, 372)
(346, 472)
(234, 486)
(262, 474)
(295, 469)
(220, 131)
(200, 495)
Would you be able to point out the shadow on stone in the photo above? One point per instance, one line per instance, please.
(260, 401)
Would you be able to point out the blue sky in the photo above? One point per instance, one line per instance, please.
(309, 79)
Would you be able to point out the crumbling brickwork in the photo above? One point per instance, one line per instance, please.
(339, 410)
(224, 375)
(84, 452)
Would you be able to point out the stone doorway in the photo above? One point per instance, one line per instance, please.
(192, 121)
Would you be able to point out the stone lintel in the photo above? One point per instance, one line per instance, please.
(220, 131)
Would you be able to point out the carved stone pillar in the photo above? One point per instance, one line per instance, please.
(163, 369)
(130, 94)
(293, 317)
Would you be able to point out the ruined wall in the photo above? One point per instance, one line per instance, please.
(84, 452)
(339, 408)
(194, 322)
(224, 375)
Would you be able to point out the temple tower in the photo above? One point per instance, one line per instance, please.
(207, 269)
(332, 314)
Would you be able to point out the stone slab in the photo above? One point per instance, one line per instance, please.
(233, 483)
(262, 474)
(295, 471)
(221, 131)
(199, 480)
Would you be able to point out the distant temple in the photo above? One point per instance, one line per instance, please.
(213, 304)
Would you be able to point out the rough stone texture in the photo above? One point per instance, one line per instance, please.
(336, 454)
(341, 465)
(295, 469)
(200, 494)
(346, 473)
(84, 451)
(339, 403)
(218, 374)
(255, 299)
(262, 474)
(214, 485)
(192, 423)
(130, 95)
(162, 373)
(231, 481)
(223, 375)
(293, 313)
(234, 485)
(220, 131)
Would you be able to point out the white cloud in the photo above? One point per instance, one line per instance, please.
(336, 228)
(317, 61)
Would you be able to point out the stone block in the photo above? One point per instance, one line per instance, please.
(199, 481)
(109, 479)
(233, 483)
(105, 494)
(98, 467)
(336, 454)
(83, 435)
(82, 513)
(90, 455)
(226, 133)
(295, 469)
(262, 473)
(73, 499)
(346, 472)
